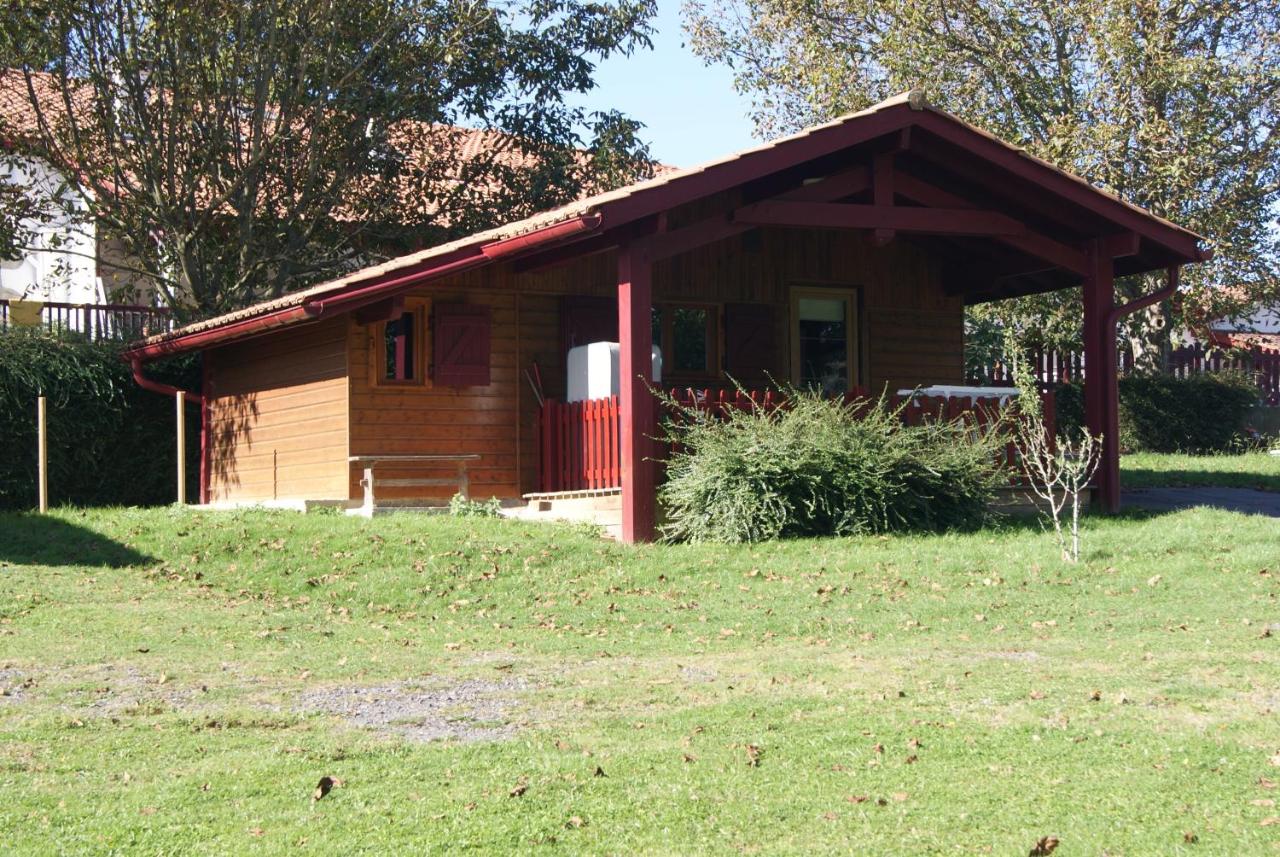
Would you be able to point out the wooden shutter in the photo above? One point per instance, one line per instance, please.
(587, 319)
(750, 351)
(461, 345)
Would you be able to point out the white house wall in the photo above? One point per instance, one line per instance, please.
(62, 266)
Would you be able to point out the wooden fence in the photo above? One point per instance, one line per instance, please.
(1056, 367)
(579, 441)
(122, 322)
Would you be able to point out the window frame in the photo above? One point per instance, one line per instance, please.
(713, 336)
(853, 342)
(420, 308)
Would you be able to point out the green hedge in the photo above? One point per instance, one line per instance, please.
(1159, 413)
(110, 442)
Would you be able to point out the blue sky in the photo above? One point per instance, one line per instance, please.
(690, 112)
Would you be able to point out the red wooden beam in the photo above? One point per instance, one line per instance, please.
(1071, 188)
(637, 418)
(1032, 243)
(1101, 390)
(939, 221)
(832, 187)
(882, 190)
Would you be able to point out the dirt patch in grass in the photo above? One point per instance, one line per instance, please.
(470, 710)
(13, 684)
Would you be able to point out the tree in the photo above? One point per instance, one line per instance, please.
(1172, 104)
(238, 149)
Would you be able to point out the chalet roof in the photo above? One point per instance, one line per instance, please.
(632, 202)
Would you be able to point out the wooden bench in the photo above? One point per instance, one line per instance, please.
(370, 482)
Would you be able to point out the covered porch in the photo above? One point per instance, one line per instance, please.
(937, 215)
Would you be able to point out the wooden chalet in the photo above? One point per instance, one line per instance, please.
(841, 256)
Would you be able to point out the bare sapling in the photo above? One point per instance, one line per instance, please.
(1058, 468)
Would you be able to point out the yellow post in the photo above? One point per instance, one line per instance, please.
(182, 448)
(43, 444)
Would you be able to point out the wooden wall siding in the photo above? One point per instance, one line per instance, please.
(912, 333)
(438, 420)
(278, 416)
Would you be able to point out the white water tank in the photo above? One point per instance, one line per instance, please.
(593, 371)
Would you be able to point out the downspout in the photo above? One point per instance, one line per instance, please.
(1136, 304)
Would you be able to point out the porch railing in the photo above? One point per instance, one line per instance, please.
(124, 322)
(579, 441)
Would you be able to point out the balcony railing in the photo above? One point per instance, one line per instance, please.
(97, 322)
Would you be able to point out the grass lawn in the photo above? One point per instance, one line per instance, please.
(1156, 470)
(178, 682)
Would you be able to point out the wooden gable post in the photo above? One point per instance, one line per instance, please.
(1101, 390)
(638, 412)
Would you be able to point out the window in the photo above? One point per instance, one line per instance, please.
(824, 347)
(398, 346)
(687, 336)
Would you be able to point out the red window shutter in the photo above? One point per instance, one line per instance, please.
(461, 344)
(749, 340)
(586, 319)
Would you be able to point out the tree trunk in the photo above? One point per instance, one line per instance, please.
(1147, 330)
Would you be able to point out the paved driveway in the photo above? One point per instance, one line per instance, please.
(1245, 500)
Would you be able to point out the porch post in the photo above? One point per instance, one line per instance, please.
(1101, 391)
(635, 361)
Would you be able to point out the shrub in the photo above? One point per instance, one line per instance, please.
(462, 507)
(817, 468)
(110, 442)
(1160, 413)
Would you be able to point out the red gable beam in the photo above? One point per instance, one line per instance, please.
(1069, 187)
(938, 221)
(1032, 243)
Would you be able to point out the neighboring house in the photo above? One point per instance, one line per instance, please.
(1259, 327)
(61, 266)
(841, 256)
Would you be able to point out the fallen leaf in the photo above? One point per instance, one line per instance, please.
(878, 748)
(1045, 846)
(256, 831)
(1275, 760)
(1263, 801)
(575, 821)
(1154, 579)
(1190, 838)
(900, 797)
(689, 759)
(1038, 694)
(148, 810)
(1266, 783)
(754, 754)
(857, 798)
(914, 744)
(912, 759)
(600, 772)
(520, 789)
(1269, 821)
(1096, 696)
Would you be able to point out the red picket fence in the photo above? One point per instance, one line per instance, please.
(123, 322)
(1055, 367)
(579, 441)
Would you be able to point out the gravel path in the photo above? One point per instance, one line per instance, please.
(472, 710)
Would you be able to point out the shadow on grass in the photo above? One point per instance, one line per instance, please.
(1134, 478)
(30, 539)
